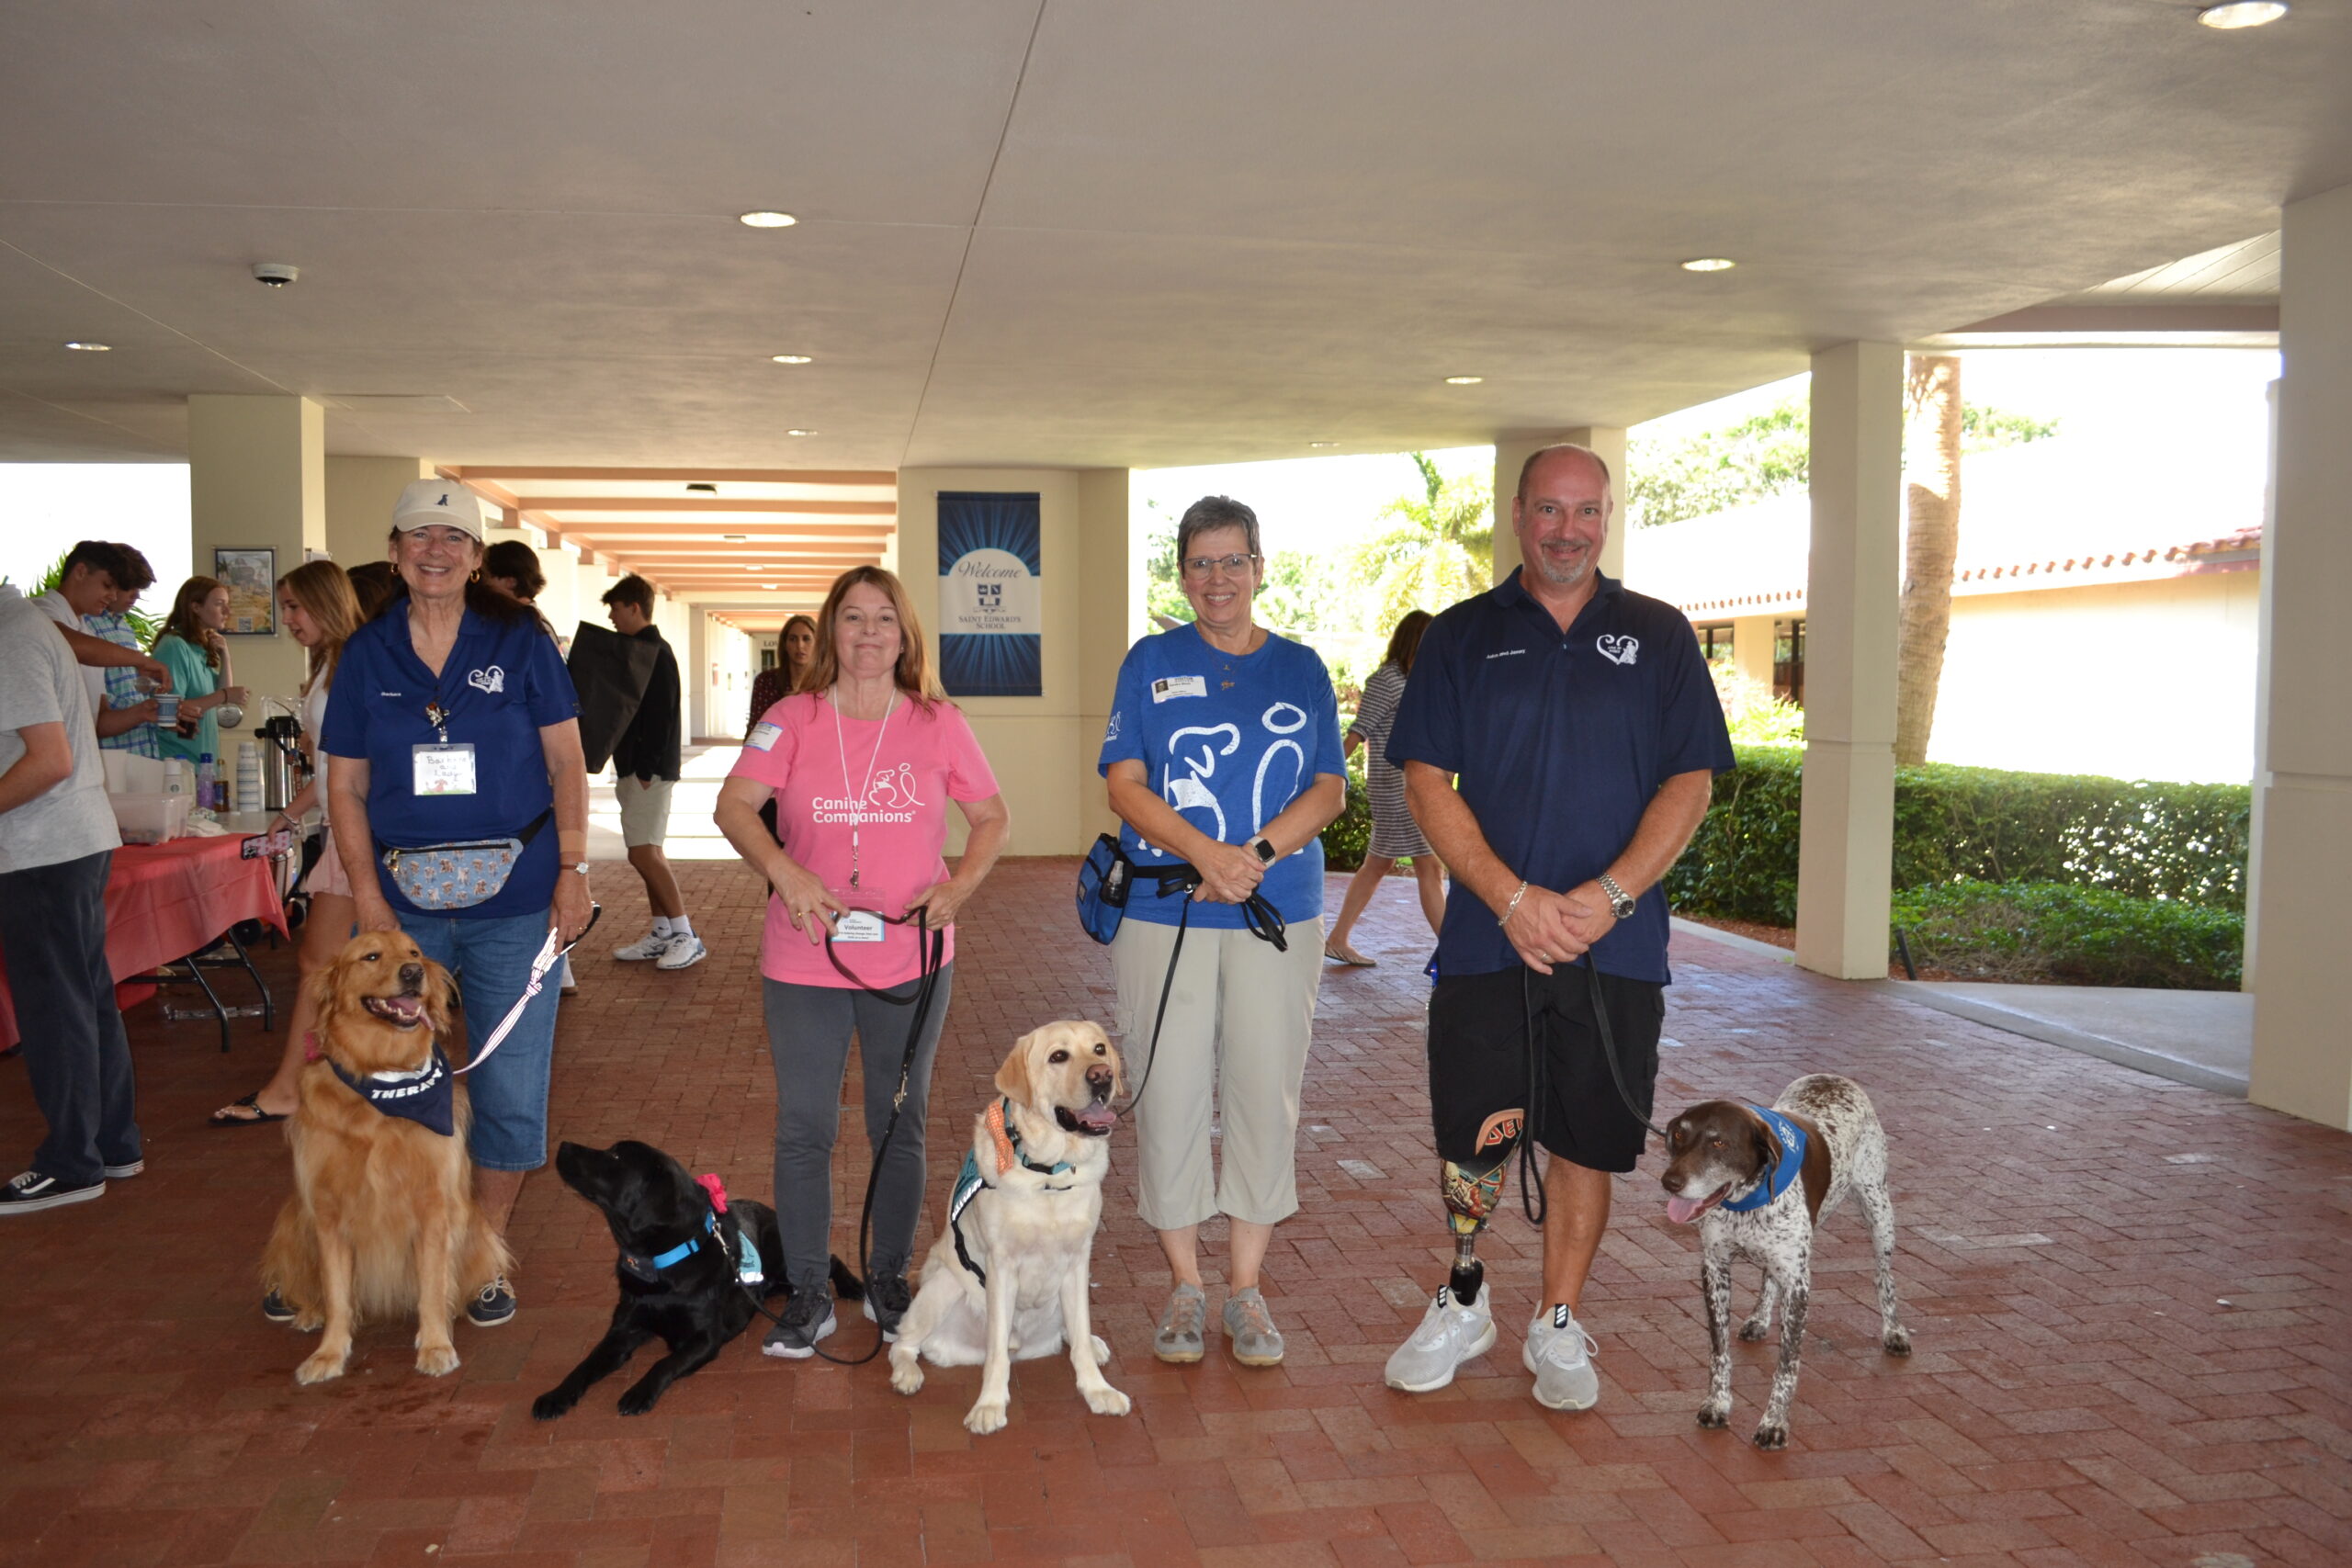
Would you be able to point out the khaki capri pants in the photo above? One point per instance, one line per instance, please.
(1241, 1016)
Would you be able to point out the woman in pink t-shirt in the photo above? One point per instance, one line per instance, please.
(861, 764)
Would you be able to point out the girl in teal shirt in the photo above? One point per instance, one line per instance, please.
(191, 647)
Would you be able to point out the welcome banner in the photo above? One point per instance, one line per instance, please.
(990, 604)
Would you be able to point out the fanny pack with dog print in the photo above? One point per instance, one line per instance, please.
(457, 876)
(428, 1097)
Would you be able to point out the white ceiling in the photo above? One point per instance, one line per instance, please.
(1080, 231)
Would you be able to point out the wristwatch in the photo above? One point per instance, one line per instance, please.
(1265, 851)
(1621, 903)
(582, 868)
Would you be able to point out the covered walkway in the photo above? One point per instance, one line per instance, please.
(2129, 1298)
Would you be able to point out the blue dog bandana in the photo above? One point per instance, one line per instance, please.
(428, 1097)
(1793, 1142)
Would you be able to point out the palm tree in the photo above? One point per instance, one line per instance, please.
(1436, 548)
(1931, 543)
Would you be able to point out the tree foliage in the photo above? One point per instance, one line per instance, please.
(1764, 455)
(1436, 549)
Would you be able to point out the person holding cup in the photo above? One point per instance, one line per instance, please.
(191, 647)
(861, 763)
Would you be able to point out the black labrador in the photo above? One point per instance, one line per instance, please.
(682, 1269)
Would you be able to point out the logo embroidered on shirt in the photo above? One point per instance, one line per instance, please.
(1507, 653)
(491, 680)
(1617, 649)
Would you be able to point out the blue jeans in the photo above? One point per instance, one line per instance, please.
(492, 959)
(53, 929)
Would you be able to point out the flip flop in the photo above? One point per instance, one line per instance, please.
(221, 1117)
(1351, 958)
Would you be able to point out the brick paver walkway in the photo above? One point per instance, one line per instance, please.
(2129, 1298)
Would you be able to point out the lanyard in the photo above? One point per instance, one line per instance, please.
(437, 712)
(857, 805)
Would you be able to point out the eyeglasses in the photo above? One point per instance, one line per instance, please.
(1202, 566)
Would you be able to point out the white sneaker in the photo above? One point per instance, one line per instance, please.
(651, 945)
(685, 953)
(1559, 1352)
(1449, 1335)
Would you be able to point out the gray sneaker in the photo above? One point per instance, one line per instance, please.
(1177, 1338)
(1449, 1335)
(1256, 1341)
(1559, 1352)
(806, 1318)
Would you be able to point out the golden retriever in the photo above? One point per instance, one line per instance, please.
(382, 1220)
(1009, 1277)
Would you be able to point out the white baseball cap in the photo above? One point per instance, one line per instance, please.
(443, 502)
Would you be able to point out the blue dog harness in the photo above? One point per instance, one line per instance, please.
(1793, 1142)
(969, 1180)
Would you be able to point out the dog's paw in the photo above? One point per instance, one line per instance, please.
(1898, 1343)
(556, 1401)
(1714, 1416)
(1770, 1436)
(1753, 1330)
(906, 1375)
(1107, 1401)
(986, 1416)
(639, 1400)
(322, 1368)
(436, 1360)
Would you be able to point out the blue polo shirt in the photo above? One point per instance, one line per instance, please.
(1229, 740)
(1557, 744)
(502, 684)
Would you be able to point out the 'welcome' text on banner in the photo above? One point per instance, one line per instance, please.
(990, 597)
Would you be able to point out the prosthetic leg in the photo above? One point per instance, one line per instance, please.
(1473, 1191)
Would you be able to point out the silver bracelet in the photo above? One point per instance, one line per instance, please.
(1512, 907)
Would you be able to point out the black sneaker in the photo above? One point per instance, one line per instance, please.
(273, 1307)
(808, 1317)
(32, 1191)
(887, 1299)
(124, 1172)
(493, 1304)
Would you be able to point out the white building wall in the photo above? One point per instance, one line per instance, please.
(2131, 680)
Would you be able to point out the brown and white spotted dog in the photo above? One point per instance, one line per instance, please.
(1756, 1196)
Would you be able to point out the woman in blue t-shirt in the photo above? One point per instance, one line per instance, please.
(1223, 750)
(453, 723)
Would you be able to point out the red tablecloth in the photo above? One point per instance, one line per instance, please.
(165, 901)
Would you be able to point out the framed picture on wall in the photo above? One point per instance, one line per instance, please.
(251, 576)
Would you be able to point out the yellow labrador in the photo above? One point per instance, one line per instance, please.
(1009, 1278)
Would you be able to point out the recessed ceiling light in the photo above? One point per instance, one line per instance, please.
(1322, 444)
(1709, 263)
(792, 358)
(800, 432)
(92, 347)
(768, 220)
(1464, 380)
(2242, 14)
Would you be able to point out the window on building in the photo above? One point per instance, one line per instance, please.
(1714, 642)
(1788, 661)
(767, 659)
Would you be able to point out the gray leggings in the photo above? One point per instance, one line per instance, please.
(809, 1033)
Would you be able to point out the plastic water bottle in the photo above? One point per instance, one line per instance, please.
(208, 787)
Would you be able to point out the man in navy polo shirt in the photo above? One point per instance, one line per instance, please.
(1559, 737)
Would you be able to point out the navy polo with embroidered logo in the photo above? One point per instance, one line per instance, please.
(1558, 742)
(503, 684)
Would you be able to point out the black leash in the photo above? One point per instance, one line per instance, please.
(1535, 1206)
(930, 947)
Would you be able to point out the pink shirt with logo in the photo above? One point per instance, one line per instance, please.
(895, 796)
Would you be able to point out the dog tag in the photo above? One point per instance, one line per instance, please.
(442, 770)
(859, 925)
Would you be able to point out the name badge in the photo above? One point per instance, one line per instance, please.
(859, 925)
(442, 770)
(1169, 687)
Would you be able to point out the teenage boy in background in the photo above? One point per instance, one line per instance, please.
(645, 769)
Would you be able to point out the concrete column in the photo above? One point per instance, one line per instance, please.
(258, 480)
(360, 493)
(1751, 650)
(1513, 451)
(1847, 823)
(2303, 1053)
(1043, 748)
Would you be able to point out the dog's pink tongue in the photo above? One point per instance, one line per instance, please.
(1097, 1118)
(1680, 1210)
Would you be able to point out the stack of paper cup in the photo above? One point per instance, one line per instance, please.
(248, 775)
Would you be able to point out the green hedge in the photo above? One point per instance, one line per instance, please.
(2176, 841)
(1347, 838)
(2051, 932)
